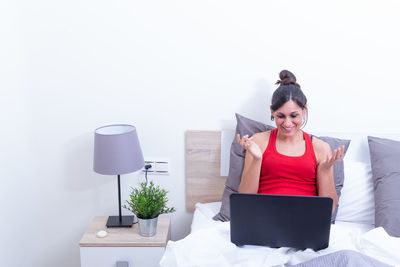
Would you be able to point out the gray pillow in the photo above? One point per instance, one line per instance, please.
(247, 126)
(338, 168)
(244, 126)
(385, 164)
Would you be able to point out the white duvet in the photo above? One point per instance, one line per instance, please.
(209, 245)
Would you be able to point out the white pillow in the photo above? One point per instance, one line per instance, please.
(202, 217)
(357, 204)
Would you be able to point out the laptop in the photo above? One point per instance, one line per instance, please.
(280, 221)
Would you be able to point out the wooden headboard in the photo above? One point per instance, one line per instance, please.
(203, 156)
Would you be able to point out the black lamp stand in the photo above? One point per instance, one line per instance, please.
(120, 221)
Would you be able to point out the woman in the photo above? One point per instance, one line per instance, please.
(286, 160)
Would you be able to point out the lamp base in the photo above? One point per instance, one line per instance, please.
(126, 221)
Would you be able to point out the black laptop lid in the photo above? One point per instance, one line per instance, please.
(280, 221)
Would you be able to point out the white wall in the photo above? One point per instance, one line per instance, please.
(68, 67)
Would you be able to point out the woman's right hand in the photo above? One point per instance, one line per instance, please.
(249, 145)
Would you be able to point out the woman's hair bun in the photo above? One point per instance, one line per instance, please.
(287, 77)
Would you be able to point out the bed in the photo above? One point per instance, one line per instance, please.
(354, 239)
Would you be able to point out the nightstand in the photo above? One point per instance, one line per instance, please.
(123, 244)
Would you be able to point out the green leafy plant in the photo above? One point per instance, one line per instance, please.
(148, 201)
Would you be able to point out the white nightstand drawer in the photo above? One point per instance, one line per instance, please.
(108, 256)
(123, 244)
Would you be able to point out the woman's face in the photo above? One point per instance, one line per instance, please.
(289, 118)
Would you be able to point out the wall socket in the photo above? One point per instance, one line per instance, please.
(152, 168)
(159, 166)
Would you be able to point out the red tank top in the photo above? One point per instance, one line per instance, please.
(288, 175)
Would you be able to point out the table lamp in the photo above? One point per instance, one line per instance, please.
(117, 151)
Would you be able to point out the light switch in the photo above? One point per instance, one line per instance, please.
(161, 166)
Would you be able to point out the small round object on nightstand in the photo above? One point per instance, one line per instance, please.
(101, 233)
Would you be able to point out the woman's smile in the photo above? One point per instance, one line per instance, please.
(288, 129)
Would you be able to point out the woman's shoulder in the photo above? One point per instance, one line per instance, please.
(262, 139)
(262, 135)
(320, 146)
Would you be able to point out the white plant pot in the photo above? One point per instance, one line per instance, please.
(147, 227)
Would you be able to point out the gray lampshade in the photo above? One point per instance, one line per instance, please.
(117, 150)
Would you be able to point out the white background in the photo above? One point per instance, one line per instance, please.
(68, 67)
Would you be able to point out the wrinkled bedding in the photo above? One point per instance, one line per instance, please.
(209, 245)
(344, 258)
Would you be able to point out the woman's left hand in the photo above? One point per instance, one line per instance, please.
(332, 159)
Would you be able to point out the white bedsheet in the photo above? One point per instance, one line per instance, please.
(209, 245)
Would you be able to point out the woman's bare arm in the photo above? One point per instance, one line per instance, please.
(325, 161)
(252, 163)
(250, 174)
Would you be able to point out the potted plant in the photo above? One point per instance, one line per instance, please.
(147, 202)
